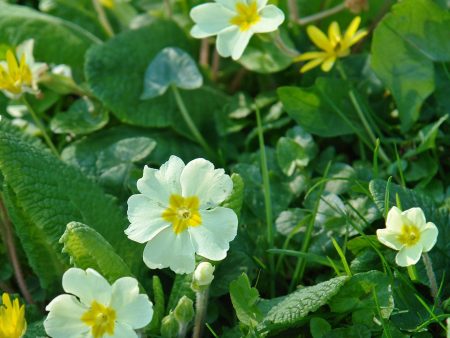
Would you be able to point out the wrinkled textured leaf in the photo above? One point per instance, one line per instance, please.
(171, 66)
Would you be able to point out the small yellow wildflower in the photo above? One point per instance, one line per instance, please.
(334, 46)
(19, 73)
(12, 318)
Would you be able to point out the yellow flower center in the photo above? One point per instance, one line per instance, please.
(410, 235)
(16, 75)
(100, 318)
(12, 318)
(247, 15)
(182, 212)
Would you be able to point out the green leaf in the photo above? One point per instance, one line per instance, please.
(35, 329)
(83, 117)
(56, 41)
(181, 287)
(171, 66)
(317, 109)
(291, 311)
(263, 56)
(355, 331)
(358, 297)
(236, 198)
(159, 307)
(319, 327)
(405, 44)
(49, 194)
(244, 299)
(88, 249)
(439, 216)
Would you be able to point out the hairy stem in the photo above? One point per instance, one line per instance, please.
(321, 15)
(6, 226)
(201, 305)
(102, 18)
(431, 276)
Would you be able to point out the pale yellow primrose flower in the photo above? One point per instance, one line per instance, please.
(19, 73)
(12, 318)
(177, 214)
(93, 308)
(234, 22)
(204, 274)
(334, 46)
(409, 233)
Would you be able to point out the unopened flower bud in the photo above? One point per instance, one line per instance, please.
(203, 276)
(184, 311)
(169, 326)
(356, 6)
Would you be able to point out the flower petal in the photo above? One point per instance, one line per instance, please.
(311, 64)
(328, 63)
(352, 28)
(64, 319)
(232, 42)
(212, 238)
(168, 249)
(416, 217)
(311, 55)
(210, 19)
(334, 33)
(271, 17)
(409, 255)
(229, 4)
(87, 285)
(260, 3)
(358, 36)
(394, 221)
(122, 330)
(26, 48)
(132, 308)
(428, 236)
(389, 238)
(211, 186)
(144, 215)
(160, 184)
(319, 38)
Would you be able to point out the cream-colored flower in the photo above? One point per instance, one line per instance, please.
(409, 233)
(177, 214)
(334, 46)
(19, 73)
(12, 318)
(93, 308)
(234, 22)
(203, 274)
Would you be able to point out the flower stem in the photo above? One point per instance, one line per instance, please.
(6, 230)
(190, 123)
(201, 305)
(40, 126)
(412, 273)
(267, 199)
(321, 15)
(102, 18)
(279, 42)
(361, 115)
(431, 276)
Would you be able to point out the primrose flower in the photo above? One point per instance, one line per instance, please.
(334, 46)
(93, 308)
(409, 233)
(19, 73)
(177, 214)
(234, 22)
(12, 318)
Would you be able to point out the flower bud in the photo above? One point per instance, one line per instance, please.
(203, 276)
(184, 311)
(356, 6)
(169, 326)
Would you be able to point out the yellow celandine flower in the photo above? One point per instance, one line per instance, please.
(333, 46)
(12, 318)
(19, 73)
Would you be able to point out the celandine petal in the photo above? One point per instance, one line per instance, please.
(328, 63)
(218, 229)
(319, 38)
(87, 285)
(311, 64)
(352, 28)
(211, 186)
(132, 308)
(172, 250)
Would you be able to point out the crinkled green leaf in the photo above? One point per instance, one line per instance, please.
(88, 249)
(50, 194)
(296, 306)
(405, 44)
(171, 66)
